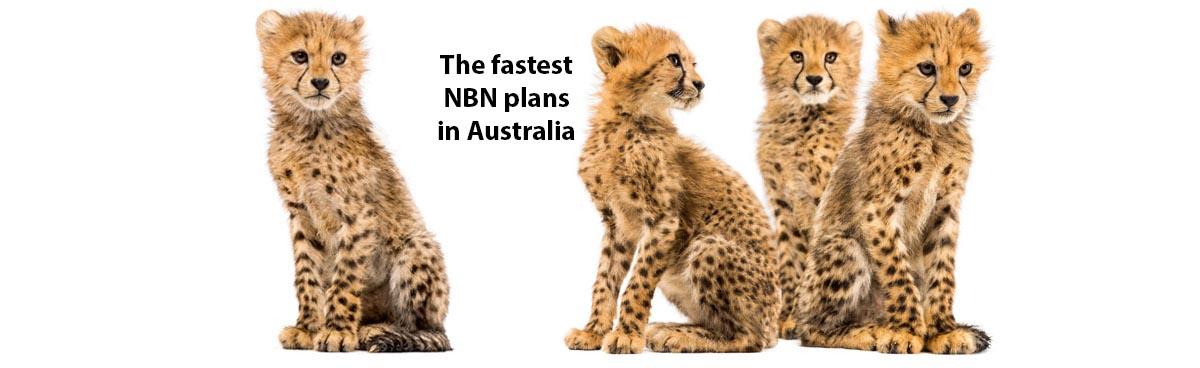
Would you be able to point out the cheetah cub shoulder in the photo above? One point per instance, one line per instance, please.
(810, 74)
(881, 272)
(699, 233)
(368, 274)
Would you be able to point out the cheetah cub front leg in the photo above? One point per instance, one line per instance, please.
(615, 256)
(355, 241)
(305, 251)
(945, 334)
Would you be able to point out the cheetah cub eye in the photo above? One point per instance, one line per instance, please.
(674, 58)
(927, 69)
(339, 58)
(965, 69)
(300, 57)
(798, 57)
(831, 57)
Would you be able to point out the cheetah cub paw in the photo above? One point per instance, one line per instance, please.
(616, 342)
(962, 340)
(293, 337)
(583, 340)
(897, 342)
(335, 341)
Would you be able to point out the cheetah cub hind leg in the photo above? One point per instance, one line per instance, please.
(838, 281)
(420, 291)
(739, 314)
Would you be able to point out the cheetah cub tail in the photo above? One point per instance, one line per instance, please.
(409, 341)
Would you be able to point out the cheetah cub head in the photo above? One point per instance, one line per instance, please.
(811, 58)
(930, 65)
(313, 61)
(648, 64)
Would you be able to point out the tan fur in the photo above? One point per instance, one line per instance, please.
(881, 272)
(699, 233)
(802, 131)
(368, 273)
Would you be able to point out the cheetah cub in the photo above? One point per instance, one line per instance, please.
(368, 274)
(698, 232)
(810, 74)
(881, 273)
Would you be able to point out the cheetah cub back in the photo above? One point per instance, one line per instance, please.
(699, 233)
(369, 275)
(881, 272)
(810, 74)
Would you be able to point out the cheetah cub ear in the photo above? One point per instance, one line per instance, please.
(358, 23)
(268, 24)
(886, 25)
(854, 33)
(970, 16)
(768, 36)
(606, 43)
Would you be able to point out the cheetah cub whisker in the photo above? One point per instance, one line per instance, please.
(699, 233)
(880, 275)
(369, 276)
(810, 74)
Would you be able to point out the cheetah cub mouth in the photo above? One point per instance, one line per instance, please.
(316, 100)
(943, 117)
(814, 95)
(685, 97)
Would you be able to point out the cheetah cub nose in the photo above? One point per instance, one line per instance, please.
(699, 85)
(321, 83)
(949, 100)
(814, 80)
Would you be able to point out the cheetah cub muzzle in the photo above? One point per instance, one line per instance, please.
(881, 272)
(810, 74)
(699, 234)
(369, 276)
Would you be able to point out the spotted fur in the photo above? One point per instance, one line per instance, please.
(698, 232)
(881, 272)
(369, 276)
(810, 74)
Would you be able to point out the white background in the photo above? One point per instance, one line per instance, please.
(140, 226)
